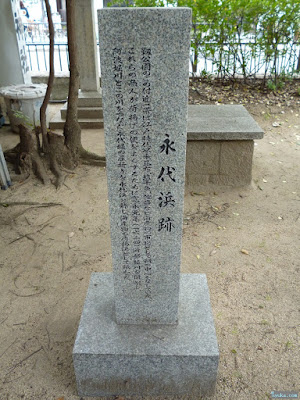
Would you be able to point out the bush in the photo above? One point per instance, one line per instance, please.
(242, 36)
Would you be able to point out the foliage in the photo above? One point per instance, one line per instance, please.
(23, 118)
(242, 36)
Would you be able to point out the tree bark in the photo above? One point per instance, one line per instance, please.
(72, 130)
(44, 106)
(28, 158)
(57, 152)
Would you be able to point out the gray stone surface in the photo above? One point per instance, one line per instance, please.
(83, 112)
(224, 122)
(90, 98)
(87, 45)
(220, 146)
(216, 162)
(203, 157)
(144, 55)
(113, 359)
(236, 162)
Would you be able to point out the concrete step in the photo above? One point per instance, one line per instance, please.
(89, 99)
(58, 122)
(84, 112)
(90, 102)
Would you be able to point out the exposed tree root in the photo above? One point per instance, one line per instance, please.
(28, 203)
(96, 163)
(28, 159)
(92, 159)
(23, 179)
(56, 171)
(11, 154)
(41, 151)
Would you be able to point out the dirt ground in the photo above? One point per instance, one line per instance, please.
(245, 240)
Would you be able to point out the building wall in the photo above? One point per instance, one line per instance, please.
(14, 67)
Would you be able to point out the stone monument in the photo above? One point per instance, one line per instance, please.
(146, 329)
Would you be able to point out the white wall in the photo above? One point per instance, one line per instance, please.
(13, 63)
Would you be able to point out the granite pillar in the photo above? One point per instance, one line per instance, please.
(145, 149)
(146, 328)
(87, 46)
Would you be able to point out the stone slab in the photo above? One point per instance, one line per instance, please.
(224, 122)
(145, 64)
(84, 112)
(90, 99)
(57, 122)
(128, 360)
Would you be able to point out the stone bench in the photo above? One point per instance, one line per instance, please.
(220, 142)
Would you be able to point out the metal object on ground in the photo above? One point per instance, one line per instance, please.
(4, 174)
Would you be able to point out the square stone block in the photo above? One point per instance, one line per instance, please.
(202, 157)
(236, 162)
(135, 360)
(194, 180)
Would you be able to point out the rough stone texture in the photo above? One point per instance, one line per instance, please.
(222, 163)
(220, 146)
(202, 157)
(144, 63)
(225, 122)
(112, 359)
(236, 162)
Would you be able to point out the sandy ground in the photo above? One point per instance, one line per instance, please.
(245, 240)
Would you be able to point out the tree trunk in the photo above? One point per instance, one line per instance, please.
(72, 130)
(44, 106)
(58, 151)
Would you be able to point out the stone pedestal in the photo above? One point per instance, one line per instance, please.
(136, 360)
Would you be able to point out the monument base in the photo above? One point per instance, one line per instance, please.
(90, 99)
(89, 112)
(135, 360)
